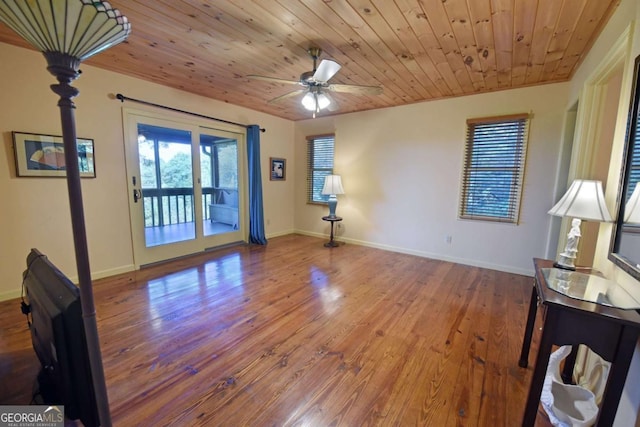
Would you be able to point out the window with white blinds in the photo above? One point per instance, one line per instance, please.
(319, 165)
(494, 168)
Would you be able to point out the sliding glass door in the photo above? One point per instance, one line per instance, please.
(185, 187)
(219, 171)
(166, 184)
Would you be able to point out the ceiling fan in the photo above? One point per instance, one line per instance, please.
(316, 85)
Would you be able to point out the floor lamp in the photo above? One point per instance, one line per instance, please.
(68, 32)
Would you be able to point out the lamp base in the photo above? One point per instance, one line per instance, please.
(558, 264)
(332, 202)
(567, 258)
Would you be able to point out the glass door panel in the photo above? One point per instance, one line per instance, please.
(219, 179)
(166, 181)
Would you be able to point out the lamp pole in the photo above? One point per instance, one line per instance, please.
(66, 69)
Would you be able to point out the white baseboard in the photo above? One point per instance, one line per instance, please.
(95, 275)
(423, 254)
(4, 296)
(280, 233)
(475, 263)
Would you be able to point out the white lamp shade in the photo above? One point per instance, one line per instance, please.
(332, 185)
(79, 28)
(632, 208)
(584, 200)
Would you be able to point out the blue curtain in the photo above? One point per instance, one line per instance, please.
(256, 214)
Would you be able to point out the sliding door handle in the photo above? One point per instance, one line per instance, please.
(137, 195)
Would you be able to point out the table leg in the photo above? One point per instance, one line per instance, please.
(540, 370)
(617, 376)
(331, 243)
(528, 332)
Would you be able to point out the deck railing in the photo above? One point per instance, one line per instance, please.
(173, 205)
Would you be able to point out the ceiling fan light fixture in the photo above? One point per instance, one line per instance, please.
(309, 102)
(323, 101)
(315, 101)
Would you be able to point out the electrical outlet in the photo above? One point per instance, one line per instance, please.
(339, 226)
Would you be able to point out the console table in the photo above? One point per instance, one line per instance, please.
(332, 219)
(611, 332)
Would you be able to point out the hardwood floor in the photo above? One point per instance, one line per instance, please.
(298, 334)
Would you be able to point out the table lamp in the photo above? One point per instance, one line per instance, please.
(584, 200)
(332, 187)
(67, 33)
(632, 208)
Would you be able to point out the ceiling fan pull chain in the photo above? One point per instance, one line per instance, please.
(315, 110)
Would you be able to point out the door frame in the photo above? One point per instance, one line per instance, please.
(143, 255)
(588, 127)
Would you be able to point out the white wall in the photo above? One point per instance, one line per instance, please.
(401, 170)
(34, 212)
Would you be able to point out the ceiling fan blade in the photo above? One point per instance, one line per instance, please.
(356, 89)
(285, 96)
(326, 70)
(272, 79)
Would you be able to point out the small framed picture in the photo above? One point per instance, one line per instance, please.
(43, 155)
(278, 169)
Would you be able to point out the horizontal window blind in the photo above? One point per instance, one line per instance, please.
(634, 165)
(319, 165)
(494, 168)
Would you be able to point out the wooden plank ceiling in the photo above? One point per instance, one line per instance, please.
(416, 50)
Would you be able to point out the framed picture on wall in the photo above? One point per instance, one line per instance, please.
(43, 155)
(278, 169)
